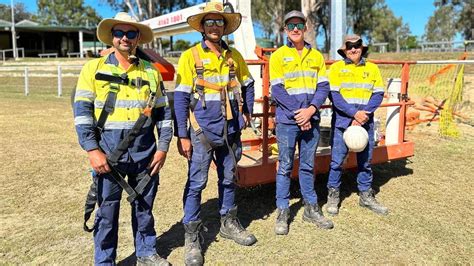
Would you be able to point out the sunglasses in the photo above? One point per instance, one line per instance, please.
(292, 26)
(212, 22)
(355, 45)
(132, 34)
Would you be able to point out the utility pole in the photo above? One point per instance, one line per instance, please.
(15, 52)
(338, 26)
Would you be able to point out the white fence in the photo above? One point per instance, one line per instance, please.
(11, 77)
(4, 53)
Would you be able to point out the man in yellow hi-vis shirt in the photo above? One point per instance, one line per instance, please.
(356, 92)
(214, 92)
(299, 88)
(119, 100)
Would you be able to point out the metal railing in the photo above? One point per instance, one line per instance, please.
(11, 50)
(59, 72)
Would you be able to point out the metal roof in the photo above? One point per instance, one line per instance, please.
(27, 25)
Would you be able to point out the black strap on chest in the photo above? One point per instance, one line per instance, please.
(113, 157)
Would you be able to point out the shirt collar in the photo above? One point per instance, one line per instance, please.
(361, 62)
(112, 60)
(223, 44)
(290, 44)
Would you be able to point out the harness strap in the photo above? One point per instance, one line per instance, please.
(109, 105)
(199, 86)
(89, 206)
(112, 159)
(200, 76)
(226, 107)
(200, 133)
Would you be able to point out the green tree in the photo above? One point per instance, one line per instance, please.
(386, 29)
(66, 13)
(441, 25)
(463, 10)
(364, 15)
(270, 14)
(311, 11)
(20, 12)
(181, 45)
(411, 42)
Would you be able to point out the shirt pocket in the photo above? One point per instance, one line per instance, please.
(290, 70)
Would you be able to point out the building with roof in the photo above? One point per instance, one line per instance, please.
(63, 41)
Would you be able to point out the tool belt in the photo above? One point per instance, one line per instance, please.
(112, 159)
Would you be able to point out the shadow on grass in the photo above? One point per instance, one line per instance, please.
(382, 173)
(174, 237)
(258, 203)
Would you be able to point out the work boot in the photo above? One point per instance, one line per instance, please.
(367, 200)
(153, 260)
(313, 214)
(192, 243)
(332, 206)
(232, 229)
(281, 225)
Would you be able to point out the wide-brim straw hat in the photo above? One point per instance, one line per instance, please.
(232, 20)
(352, 38)
(104, 29)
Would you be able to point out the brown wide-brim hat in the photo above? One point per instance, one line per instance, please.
(232, 20)
(353, 39)
(104, 29)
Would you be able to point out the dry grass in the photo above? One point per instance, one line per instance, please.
(44, 177)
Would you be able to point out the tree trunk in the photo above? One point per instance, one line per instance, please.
(310, 9)
(277, 14)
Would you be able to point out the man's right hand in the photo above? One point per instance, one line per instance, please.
(306, 126)
(98, 161)
(185, 148)
(361, 117)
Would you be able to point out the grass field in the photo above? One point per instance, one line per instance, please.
(44, 177)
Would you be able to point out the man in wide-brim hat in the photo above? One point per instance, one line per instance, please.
(357, 91)
(353, 41)
(111, 95)
(212, 75)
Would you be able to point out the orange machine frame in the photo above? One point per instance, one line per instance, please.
(264, 168)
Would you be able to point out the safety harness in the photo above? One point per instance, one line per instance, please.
(226, 108)
(115, 80)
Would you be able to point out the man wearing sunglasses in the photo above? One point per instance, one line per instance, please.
(356, 92)
(113, 92)
(214, 92)
(299, 88)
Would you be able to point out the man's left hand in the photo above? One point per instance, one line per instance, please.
(157, 163)
(303, 115)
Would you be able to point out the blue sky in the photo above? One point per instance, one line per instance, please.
(413, 12)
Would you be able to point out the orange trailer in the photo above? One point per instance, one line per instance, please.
(257, 166)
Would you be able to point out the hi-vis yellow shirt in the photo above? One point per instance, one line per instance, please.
(216, 70)
(297, 81)
(90, 98)
(355, 83)
(354, 87)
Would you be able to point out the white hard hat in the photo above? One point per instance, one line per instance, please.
(356, 138)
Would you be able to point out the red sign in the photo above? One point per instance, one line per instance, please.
(170, 20)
